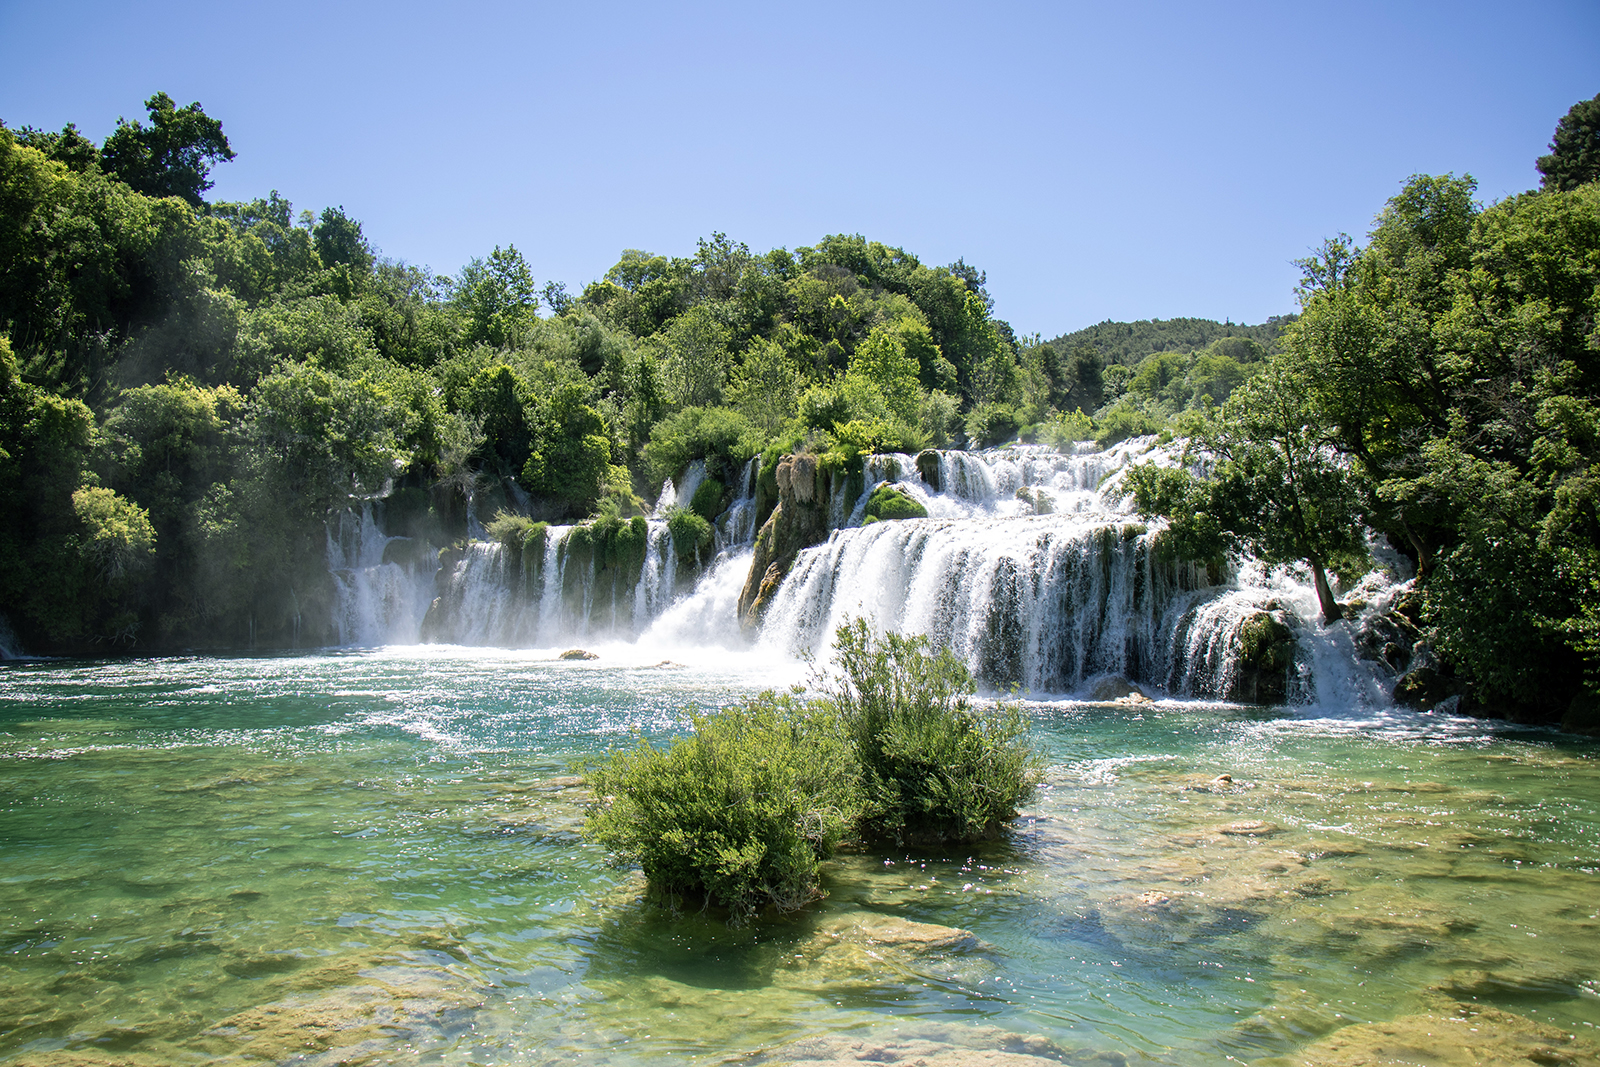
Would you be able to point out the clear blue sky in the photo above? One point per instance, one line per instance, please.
(1141, 160)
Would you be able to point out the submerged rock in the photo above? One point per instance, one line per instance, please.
(1114, 688)
(1467, 1036)
(931, 1045)
(875, 928)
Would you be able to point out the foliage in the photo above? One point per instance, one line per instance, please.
(707, 501)
(991, 424)
(712, 434)
(1125, 419)
(117, 535)
(1278, 489)
(172, 156)
(692, 535)
(1064, 430)
(886, 502)
(740, 812)
(1574, 157)
(570, 458)
(933, 766)
(1128, 343)
(496, 298)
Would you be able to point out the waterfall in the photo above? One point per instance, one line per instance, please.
(1030, 568)
(377, 599)
(10, 647)
(1042, 602)
(736, 527)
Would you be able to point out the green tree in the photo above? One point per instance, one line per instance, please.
(571, 454)
(339, 242)
(766, 387)
(1277, 490)
(1574, 157)
(882, 364)
(696, 365)
(172, 156)
(496, 298)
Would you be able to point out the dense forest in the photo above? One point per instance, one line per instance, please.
(190, 389)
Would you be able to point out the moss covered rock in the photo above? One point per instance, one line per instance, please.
(1265, 658)
(888, 502)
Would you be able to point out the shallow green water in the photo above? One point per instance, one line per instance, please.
(373, 857)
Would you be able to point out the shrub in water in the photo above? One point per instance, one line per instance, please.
(707, 502)
(692, 536)
(739, 813)
(889, 503)
(933, 766)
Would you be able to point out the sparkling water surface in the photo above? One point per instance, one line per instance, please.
(374, 856)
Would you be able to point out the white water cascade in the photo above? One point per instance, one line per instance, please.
(377, 600)
(1033, 570)
(1030, 567)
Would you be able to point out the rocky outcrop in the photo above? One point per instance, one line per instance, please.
(1266, 656)
(928, 468)
(799, 521)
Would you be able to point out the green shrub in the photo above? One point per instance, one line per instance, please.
(691, 535)
(514, 531)
(1123, 420)
(707, 502)
(933, 767)
(991, 424)
(887, 502)
(1067, 429)
(699, 433)
(617, 541)
(740, 813)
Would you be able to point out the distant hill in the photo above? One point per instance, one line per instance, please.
(1129, 342)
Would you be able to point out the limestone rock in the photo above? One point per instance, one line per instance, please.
(932, 1044)
(577, 653)
(928, 468)
(799, 521)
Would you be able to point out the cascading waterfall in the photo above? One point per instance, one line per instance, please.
(377, 600)
(1040, 602)
(737, 525)
(1030, 567)
(1033, 571)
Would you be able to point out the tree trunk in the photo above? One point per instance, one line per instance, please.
(1331, 611)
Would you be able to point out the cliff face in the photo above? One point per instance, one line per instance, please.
(799, 521)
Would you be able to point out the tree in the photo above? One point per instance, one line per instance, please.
(69, 147)
(696, 364)
(339, 242)
(571, 454)
(1574, 157)
(496, 297)
(172, 156)
(881, 363)
(1278, 490)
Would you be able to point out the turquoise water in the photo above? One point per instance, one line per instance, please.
(373, 857)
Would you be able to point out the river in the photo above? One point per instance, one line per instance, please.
(373, 856)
